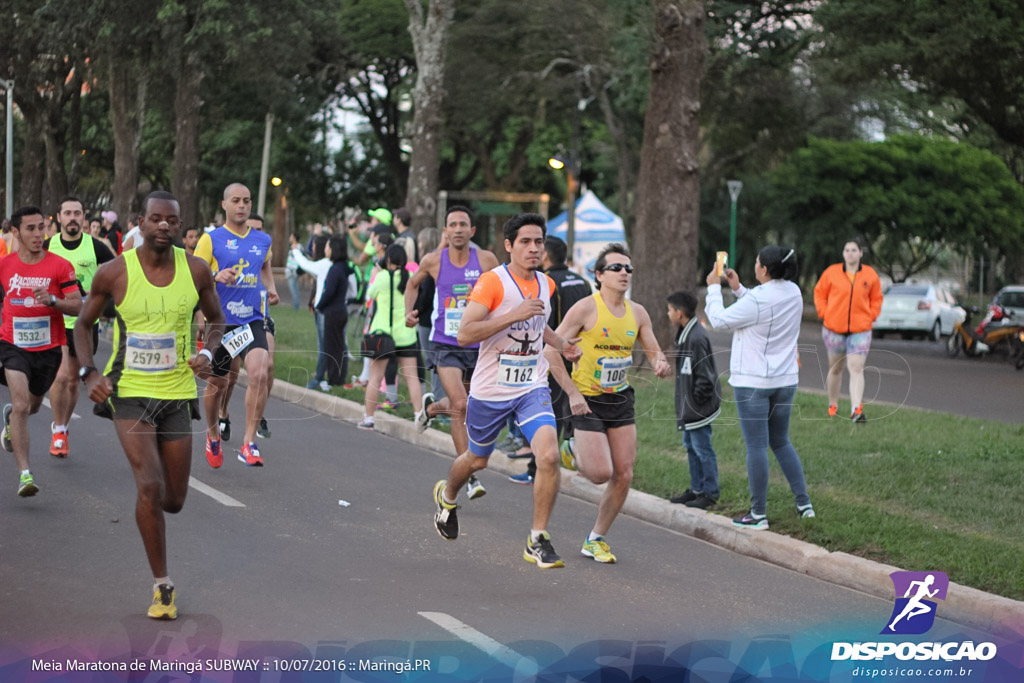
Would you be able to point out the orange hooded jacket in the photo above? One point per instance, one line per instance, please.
(848, 308)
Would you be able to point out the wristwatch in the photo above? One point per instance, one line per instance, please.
(53, 301)
(86, 371)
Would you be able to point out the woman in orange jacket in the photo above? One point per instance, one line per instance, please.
(848, 298)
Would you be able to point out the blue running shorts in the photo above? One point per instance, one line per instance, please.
(486, 419)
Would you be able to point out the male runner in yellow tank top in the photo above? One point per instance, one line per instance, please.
(609, 326)
(148, 386)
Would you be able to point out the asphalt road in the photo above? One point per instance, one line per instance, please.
(911, 372)
(271, 562)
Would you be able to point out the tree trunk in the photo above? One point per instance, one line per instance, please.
(127, 111)
(55, 184)
(30, 193)
(187, 102)
(429, 39)
(668, 192)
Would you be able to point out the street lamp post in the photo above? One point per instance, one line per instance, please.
(9, 174)
(264, 165)
(735, 186)
(571, 166)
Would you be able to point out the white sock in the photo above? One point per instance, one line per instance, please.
(57, 429)
(445, 499)
(24, 472)
(165, 580)
(535, 534)
(594, 536)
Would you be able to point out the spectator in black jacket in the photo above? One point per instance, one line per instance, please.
(570, 287)
(698, 400)
(333, 304)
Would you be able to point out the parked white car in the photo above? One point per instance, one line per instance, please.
(927, 310)
(1012, 299)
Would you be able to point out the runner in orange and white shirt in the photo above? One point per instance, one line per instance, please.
(507, 315)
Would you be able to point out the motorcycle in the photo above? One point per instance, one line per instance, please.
(996, 332)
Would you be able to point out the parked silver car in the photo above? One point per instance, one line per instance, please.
(922, 309)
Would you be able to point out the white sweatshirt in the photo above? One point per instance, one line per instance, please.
(317, 269)
(766, 324)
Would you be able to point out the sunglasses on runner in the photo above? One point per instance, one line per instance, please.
(618, 267)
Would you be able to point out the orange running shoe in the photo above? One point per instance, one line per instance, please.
(832, 410)
(214, 456)
(59, 444)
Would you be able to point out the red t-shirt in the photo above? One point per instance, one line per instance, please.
(27, 324)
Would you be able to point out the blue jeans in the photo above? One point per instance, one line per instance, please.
(703, 463)
(293, 287)
(321, 357)
(764, 421)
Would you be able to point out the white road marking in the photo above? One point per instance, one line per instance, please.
(887, 371)
(46, 402)
(485, 643)
(222, 498)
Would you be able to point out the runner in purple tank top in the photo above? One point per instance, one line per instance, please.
(455, 269)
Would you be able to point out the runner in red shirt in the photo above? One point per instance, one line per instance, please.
(39, 289)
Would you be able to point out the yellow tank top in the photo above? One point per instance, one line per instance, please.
(607, 352)
(152, 334)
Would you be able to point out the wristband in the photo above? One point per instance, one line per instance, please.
(206, 352)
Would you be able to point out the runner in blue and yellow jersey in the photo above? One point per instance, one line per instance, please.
(609, 325)
(240, 259)
(149, 386)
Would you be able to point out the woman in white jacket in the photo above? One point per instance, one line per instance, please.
(763, 371)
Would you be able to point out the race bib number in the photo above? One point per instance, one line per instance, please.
(452, 320)
(237, 340)
(613, 371)
(516, 372)
(151, 352)
(31, 333)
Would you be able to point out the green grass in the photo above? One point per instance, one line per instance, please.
(915, 489)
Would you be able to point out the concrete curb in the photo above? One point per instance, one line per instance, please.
(964, 605)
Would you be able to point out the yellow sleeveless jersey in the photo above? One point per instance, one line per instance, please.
(607, 352)
(152, 334)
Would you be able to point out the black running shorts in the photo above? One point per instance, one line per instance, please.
(171, 418)
(71, 340)
(39, 366)
(607, 411)
(221, 357)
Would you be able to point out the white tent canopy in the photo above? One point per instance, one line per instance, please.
(595, 227)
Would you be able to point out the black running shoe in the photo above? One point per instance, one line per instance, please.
(225, 428)
(541, 552)
(263, 431)
(685, 497)
(445, 519)
(8, 446)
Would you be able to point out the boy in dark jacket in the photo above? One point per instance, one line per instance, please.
(698, 400)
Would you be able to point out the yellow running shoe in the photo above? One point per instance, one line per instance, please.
(568, 454)
(598, 550)
(163, 603)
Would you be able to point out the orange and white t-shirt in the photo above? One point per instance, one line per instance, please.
(511, 362)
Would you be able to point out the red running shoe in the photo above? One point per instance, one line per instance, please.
(214, 456)
(250, 455)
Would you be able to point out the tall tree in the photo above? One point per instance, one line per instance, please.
(908, 197)
(429, 41)
(668, 193)
(41, 49)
